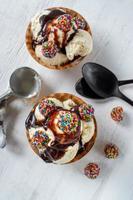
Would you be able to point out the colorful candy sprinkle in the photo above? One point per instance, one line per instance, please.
(68, 122)
(117, 113)
(78, 23)
(46, 106)
(40, 139)
(86, 112)
(111, 151)
(49, 49)
(92, 170)
(64, 22)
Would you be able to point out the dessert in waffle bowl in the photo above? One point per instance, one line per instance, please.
(58, 38)
(61, 128)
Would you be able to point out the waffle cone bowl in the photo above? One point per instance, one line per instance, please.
(62, 97)
(69, 64)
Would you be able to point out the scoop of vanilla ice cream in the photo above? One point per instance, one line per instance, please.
(80, 45)
(57, 60)
(48, 132)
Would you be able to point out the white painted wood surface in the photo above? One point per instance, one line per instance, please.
(23, 175)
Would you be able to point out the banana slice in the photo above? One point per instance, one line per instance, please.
(56, 101)
(69, 154)
(68, 104)
(88, 131)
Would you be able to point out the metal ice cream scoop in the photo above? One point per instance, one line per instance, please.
(2, 131)
(24, 83)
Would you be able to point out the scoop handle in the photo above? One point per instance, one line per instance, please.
(2, 137)
(6, 95)
(2, 130)
(124, 82)
(125, 98)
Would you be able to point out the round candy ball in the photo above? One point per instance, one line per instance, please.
(78, 23)
(92, 170)
(49, 49)
(111, 151)
(86, 112)
(117, 114)
(46, 106)
(64, 22)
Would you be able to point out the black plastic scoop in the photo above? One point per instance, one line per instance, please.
(102, 81)
(84, 89)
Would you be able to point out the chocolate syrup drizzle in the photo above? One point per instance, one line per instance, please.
(56, 150)
(44, 21)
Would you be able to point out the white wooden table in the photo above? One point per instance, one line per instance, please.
(23, 175)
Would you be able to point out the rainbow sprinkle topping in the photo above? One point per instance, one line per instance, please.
(40, 139)
(64, 22)
(46, 106)
(86, 112)
(49, 49)
(68, 122)
(78, 23)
